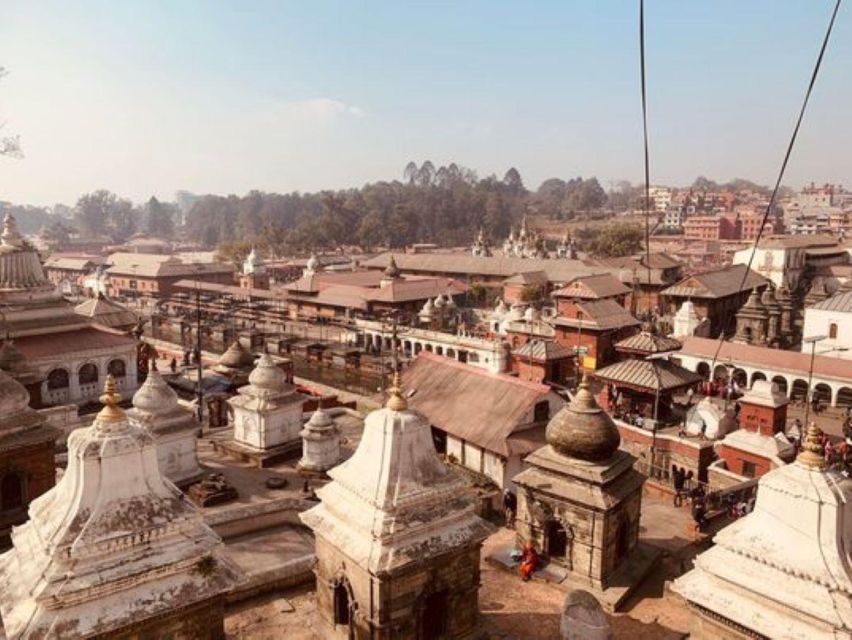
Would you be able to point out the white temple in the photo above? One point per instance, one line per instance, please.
(320, 444)
(174, 427)
(113, 548)
(253, 264)
(393, 521)
(267, 414)
(686, 320)
(783, 571)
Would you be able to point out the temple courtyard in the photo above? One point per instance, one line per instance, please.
(512, 609)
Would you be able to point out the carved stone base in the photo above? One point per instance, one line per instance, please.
(213, 490)
(260, 457)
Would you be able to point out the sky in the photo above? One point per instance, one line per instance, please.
(146, 98)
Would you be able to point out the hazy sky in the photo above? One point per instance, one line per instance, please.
(222, 97)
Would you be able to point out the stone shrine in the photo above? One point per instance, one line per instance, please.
(580, 499)
(267, 416)
(26, 455)
(320, 444)
(783, 570)
(155, 405)
(114, 550)
(397, 539)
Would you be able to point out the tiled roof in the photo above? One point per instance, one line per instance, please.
(648, 374)
(106, 312)
(469, 403)
(645, 342)
(796, 242)
(557, 270)
(838, 302)
(604, 285)
(408, 289)
(764, 357)
(160, 265)
(543, 350)
(600, 315)
(230, 289)
(69, 264)
(527, 277)
(718, 283)
(53, 344)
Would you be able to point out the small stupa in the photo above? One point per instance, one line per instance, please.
(397, 538)
(156, 406)
(114, 550)
(320, 444)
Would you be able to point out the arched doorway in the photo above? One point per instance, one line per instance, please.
(800, 390)
(781, 381)
(720, 373)
(741, 377)
(823, 393)
(555, 539)
(439, 351)
(703, 369)
(11, 492)
(757, 375)
(844, 397)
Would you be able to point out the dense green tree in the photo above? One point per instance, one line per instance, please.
(613, 241)
(103, 212)
(160, 222)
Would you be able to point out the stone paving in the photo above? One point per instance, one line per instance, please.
(512, 609)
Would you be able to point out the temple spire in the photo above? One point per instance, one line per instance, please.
(812, 454)
(110, 398)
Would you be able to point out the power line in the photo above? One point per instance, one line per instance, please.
(647, 197)
(787, 155)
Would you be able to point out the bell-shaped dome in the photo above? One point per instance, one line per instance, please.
(236, 357)
(440, 303)
(155, 396)
(14, 396)
(428, 308)
(267, 375)
(320, 421)
(582, 429)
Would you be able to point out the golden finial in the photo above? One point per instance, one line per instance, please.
(110, 399)
(396, 401)
(812, 454)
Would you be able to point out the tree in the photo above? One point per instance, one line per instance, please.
(10, 146)
(614, 240)
(426, 173)
(410, 173)
(160, 222)
(103, 212)
(513, 181)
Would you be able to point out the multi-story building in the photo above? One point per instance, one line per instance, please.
(154, 275)
(783, 259)
(713, 227)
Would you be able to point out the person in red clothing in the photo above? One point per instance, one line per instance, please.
(529, 562)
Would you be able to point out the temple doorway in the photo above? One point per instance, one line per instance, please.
(341, 604)
(434, 620)
(555, 539)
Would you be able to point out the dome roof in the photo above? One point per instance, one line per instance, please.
(428, 308)
(14, 396)
(236, 357)
(320, 420)
(440, 302)
(582, 429)
(267, 375)
(155, 396)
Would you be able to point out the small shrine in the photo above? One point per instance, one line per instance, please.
(235, 364)
(783, 570)
(397, 538)
(320, 444)
(267, 417)
(155, 405)
(579, 501)
(114, 550)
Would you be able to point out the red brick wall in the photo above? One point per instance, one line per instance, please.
(734, 459)
(765, 420)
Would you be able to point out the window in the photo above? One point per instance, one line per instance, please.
(133, 284)
(749, 469)
(88, 373)
(832, 330)
(117, 368)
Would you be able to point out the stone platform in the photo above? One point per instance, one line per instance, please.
(260, 458)
(623, 582)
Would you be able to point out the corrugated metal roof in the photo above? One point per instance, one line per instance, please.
(599, 314)
(472, 404)
(648, 374)
(602, 285)
(838, 302)
(52, 344)
(544, 350)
